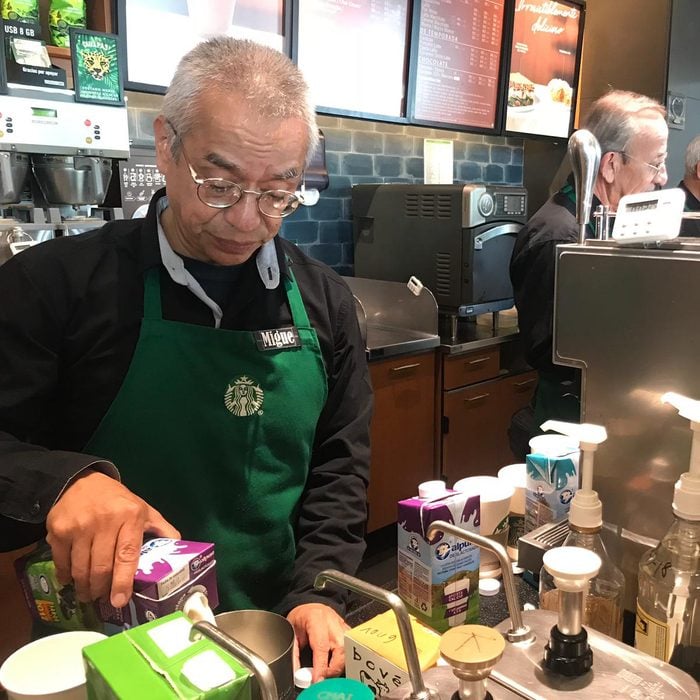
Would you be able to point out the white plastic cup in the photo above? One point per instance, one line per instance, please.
(50, 668)
(516, 476)
(211, 17)
(495, 495)
(553, 445)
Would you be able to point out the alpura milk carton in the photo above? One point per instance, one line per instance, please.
(438, 579)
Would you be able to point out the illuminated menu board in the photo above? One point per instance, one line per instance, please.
(158, 33)
(544, 67)
(458, 63)
(353, 54)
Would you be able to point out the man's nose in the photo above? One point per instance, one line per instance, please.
(244, 214)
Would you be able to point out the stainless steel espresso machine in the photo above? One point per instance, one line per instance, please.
(55, 164)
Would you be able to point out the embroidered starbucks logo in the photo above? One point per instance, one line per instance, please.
(244, 397)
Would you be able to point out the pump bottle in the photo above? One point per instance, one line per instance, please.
(603, 601)
(668, 601)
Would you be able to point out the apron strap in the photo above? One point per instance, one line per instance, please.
(151, 295)
(299, 315)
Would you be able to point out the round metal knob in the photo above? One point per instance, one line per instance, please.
(486, 205)
(472, 650)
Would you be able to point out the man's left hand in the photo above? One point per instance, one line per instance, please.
(321, 628)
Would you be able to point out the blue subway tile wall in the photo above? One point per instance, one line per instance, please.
(359, 151)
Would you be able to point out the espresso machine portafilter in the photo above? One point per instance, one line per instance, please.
(584, 153)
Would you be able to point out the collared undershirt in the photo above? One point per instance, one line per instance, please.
(217, 279)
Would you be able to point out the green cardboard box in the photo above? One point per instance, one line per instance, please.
(158, 661)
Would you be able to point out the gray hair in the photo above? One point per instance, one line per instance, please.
(692, 157)
(614, 118)
(261, 76)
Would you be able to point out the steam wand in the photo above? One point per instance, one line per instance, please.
(419, 691)
(518, 632)
(584, 153)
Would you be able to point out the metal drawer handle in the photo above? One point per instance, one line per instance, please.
(405, 367)
(525, 383)
(476, 398)
(478, 360)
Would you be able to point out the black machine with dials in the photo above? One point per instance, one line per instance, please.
(456, 239)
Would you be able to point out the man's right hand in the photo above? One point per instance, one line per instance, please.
(95, 530)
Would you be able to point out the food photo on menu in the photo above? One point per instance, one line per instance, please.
(543, 64)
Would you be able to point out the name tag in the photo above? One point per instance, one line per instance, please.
(278, 338)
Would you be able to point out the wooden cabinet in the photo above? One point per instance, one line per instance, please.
(478, 400)
(516, 392)
(14, 613)
(403, 432)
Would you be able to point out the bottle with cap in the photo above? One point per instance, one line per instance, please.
(603, 604)
(668, 600)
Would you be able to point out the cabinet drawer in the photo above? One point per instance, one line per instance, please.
(520, 387)
(471, 367)
(406, 368)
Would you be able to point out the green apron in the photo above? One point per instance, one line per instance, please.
(217, 433)
(554, 399)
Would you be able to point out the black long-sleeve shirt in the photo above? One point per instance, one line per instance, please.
(532, 268)
(70, 315)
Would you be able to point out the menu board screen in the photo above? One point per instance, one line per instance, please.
(353, 54)
(158, 33)
(543, 67)
(458, 62)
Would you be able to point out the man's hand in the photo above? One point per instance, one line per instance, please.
(95, 530)
(321, 628)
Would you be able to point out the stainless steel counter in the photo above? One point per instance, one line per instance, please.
(472, 336)
(387, 342)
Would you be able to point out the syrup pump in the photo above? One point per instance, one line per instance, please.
(567, 651)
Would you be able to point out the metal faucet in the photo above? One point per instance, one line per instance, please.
(584, 153)
(419, 690)
(519, 632)
(262, 672)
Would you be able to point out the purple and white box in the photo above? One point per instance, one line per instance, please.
(169, 571)
(166, 564)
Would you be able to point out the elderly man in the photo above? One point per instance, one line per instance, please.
(140, 391)
(633, 134)
(690, 184)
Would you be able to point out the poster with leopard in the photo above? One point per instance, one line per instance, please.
(97, 67)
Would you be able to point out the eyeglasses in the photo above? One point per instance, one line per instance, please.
(218, 193)
(657, 169)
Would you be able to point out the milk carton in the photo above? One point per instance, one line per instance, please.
(162, 659)
(551, 480)
(169, 570)
(438, 579)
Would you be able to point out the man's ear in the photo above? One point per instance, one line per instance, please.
(608, 167)
(163, 135)
(697, 170)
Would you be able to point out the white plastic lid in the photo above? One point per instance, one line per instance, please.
(432, 489)
(302, 677)
(491, 489)
(571, 567)
(489, 586)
